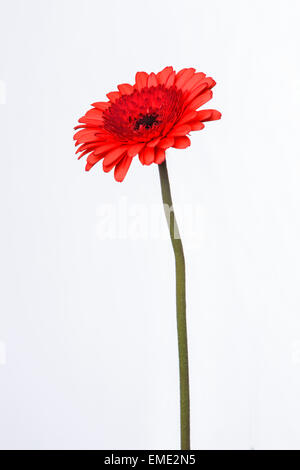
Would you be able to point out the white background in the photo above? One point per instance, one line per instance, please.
(88, 323)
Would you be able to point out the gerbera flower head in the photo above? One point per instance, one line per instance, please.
(145, 119)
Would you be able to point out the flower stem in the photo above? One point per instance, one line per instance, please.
(180, 307)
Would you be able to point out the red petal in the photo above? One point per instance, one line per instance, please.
(163, 76)
(84, 153)
(106, 147)
(135, 149)
(113, 96)
(194, 81)
(180, 73)
(110, 166)
(91, 122)
(209, 115)
(166, 143)
(141, 80)
(122, 168)
(154, 143)
(125, 89)
(184, 77)
(160, 156)
(152, 80)
(196, 92)
(94, 114)
(171, 80)
(210, 82)
(188, 116)
(180, 130)
(102, 105)
(196, 125)
(201, 99)
(91, 160)
(181, 142)
(113, 155)
(84, 147)
(141, 158)
(148, 155)
(85, 135)
(83, 127)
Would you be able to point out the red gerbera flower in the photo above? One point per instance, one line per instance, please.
(145, 119)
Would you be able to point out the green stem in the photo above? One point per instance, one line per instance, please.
(180, 307)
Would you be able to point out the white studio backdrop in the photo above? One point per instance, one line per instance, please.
(88, 348)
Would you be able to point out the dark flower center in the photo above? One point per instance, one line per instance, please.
(147, 121)
(143, 115)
